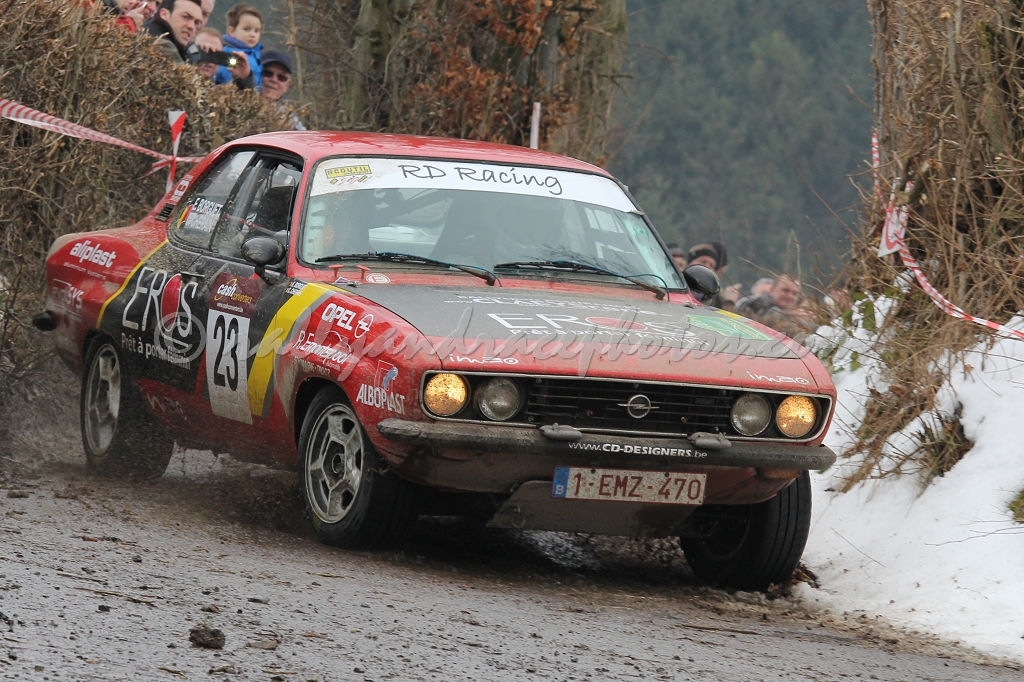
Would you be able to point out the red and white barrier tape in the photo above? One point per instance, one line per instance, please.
(19, 113)
(893, 232)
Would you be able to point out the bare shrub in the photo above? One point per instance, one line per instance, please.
(1017, 507)
(450, 67)
(949, 87)
(78, 66)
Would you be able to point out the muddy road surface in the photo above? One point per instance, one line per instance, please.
(212, 573)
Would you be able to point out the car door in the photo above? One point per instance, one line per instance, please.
(202, 307)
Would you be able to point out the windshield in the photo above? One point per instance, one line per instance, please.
(479, 215)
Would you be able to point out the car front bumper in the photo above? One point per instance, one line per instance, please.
(498, 459)
(517, 465)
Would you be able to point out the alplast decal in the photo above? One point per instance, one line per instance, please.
(380, 395)
(88, 252)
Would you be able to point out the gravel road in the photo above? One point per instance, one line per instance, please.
(211, 573)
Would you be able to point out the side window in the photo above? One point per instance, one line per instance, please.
(261, 206)
(196, 217)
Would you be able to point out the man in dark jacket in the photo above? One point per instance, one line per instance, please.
(176, 23)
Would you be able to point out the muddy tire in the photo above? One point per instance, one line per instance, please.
(120, 438)
(754, 546)
(353, 500)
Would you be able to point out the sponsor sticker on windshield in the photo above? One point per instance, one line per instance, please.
(342, 174)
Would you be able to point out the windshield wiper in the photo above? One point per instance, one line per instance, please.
(393, 257)
(577, 266)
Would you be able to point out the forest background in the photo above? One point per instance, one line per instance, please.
(739, 121)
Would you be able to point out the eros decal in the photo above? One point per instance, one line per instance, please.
(157, 321)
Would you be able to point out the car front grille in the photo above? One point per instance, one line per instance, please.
(604, 406)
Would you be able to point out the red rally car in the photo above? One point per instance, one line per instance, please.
(401, 318)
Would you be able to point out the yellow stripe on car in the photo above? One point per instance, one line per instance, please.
(280, 328)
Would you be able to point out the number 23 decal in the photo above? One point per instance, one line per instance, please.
(227, 348)
(225, 341)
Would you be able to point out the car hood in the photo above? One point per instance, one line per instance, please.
(587, 334)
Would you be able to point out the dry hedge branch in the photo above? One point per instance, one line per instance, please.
(948, 103)
(80, 66)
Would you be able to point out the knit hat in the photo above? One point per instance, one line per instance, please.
(699, 250)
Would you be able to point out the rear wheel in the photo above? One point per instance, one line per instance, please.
(751, 547)
(352, 499)
(119, 436)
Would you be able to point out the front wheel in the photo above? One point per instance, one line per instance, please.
(119, 436)
(751, 547)
(352, 498)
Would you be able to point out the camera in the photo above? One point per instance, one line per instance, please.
(228, 59)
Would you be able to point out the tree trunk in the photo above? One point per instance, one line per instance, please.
(462, 68)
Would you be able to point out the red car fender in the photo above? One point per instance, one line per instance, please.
(85, 271)
(374, 356)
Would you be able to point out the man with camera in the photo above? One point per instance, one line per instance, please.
(207, 53)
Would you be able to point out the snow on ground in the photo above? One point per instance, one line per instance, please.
(948, 558)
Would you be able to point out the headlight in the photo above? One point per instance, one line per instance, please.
(751, 414)
(796, 416)
(445, 394)
(498, 399)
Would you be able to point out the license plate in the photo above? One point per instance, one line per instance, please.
(626, 485)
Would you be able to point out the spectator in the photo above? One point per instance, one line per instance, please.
(678, 256)
(277, 78)
(205, 52)
(780, 308)
(129, 14)
(837, 299)
(709, 254)
(176, 23)
(206, 7)
(759, 288)
(730, 295)
(207, 42)
(762, 286)
(245, 28)
(723, 256)
(703, 254)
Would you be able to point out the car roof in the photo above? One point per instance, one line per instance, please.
(312, 144)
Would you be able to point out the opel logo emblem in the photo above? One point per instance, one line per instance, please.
(638, 406)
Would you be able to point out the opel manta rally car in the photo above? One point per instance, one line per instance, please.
(406, 319)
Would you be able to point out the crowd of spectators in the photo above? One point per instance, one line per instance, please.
(181, 35)
(779, 302)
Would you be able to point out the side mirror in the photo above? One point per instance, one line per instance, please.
(702, 280)
(262, 251)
